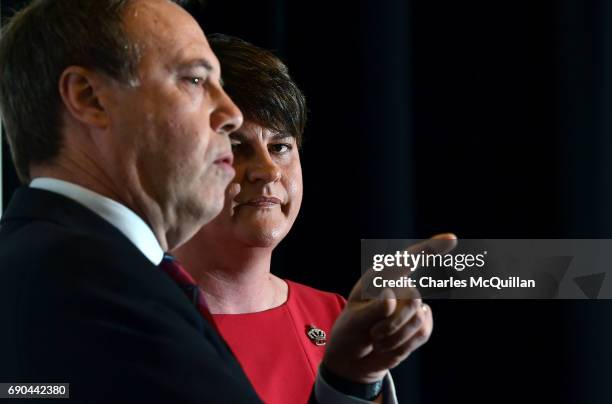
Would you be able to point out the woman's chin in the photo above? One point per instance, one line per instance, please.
(263, 238)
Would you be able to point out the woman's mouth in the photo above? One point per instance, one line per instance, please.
(263, 201)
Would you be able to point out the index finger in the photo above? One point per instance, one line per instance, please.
(438, 244)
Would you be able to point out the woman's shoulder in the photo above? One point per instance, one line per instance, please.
(316, 299)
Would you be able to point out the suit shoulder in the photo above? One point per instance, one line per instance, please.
(41, 244)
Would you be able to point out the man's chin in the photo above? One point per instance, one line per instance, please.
(192, 222)
(214, 205)
(204, 208)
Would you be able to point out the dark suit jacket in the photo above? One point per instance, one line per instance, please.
(79, 303)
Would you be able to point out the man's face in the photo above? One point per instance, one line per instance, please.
(170, 126)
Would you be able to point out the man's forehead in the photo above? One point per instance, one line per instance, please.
(161, 27)
(164, 23)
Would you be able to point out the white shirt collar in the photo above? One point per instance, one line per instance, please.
(120, 216)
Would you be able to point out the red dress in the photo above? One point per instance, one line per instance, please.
(273, 347)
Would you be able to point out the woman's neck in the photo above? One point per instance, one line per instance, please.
(236, 281)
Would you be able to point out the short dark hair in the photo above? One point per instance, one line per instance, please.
(260, 85)
(37, 45)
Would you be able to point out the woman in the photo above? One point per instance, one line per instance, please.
(276, 328)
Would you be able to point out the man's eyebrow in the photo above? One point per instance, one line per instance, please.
(197, 63)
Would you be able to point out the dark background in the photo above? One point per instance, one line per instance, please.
(488, 119)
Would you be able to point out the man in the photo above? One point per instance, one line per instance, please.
(142, 153)
(117, 120)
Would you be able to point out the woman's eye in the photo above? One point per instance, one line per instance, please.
(235, 145)
(281, 148)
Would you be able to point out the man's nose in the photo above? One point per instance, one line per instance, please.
(226, 118)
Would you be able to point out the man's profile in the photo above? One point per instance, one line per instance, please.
(117, 120)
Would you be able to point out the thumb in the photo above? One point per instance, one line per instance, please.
(372, 311)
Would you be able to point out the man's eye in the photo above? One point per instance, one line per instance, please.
(196, 81)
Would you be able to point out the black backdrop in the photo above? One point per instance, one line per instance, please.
(489, 119)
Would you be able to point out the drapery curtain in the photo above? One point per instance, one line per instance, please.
(489, 119)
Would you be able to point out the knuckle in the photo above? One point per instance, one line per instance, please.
(417, 321)
(422, 335)
(395, 324)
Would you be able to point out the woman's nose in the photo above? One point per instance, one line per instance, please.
(264, 169)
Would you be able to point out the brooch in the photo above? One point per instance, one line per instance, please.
(316, 335)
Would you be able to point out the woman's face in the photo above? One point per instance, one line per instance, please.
(269, 173)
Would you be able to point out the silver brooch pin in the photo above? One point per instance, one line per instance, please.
(316, 335)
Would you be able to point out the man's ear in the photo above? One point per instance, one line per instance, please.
(81, 91)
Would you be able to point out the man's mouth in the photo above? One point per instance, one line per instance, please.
(226, 158)
(225, 162)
